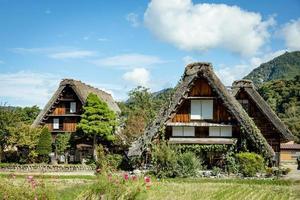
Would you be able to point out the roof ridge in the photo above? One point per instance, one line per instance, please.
(70, 80)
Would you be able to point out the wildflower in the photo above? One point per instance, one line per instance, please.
(126, 177)
(134, 178)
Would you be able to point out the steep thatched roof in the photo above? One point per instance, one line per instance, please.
(192, 72)
(249, 88)
(82, 90)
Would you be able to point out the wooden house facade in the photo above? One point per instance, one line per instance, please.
(203, 111)
(63, 112)
(272, 128)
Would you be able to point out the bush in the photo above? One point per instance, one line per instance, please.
(164, 160)
(277, 171)
(114, 160)
(44, 147)
(216, 171)
(231, 165)
(168, 162)
(187, 164)
(250, 163)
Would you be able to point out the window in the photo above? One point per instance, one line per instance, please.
(56, 123)
(183, 131)
(72, 107)
(202, 109)
(222, 131)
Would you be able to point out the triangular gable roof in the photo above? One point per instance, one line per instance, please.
(82, 90)
(249, 88)
(192, 72)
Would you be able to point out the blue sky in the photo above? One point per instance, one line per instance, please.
(117, 45)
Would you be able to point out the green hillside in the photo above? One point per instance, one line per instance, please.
(285, 66)
(278, 82)
(284, 98)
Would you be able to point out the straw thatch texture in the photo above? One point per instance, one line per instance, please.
(82, 90)
(249, 88)
(192, 72)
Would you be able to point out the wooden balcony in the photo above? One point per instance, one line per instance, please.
(190, 140)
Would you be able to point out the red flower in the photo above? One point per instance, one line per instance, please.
(126, 177)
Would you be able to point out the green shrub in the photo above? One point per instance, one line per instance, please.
(187, 164)
(114, 160)
(231, 165)
(250, 163)
(216, 171)
(44, 147)
(169, 162)
(164, 160)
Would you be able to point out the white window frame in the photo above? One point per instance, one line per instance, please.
(202, 109)
(72, 107)
(220, 131)
(55, 123)
(183, 131)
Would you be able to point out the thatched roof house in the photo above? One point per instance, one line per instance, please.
(82, 90)
(248, 88)
(192, 73)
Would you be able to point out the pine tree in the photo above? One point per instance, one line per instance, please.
(97, 120)
(44, 147)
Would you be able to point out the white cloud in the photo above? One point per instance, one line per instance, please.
(128, 60)
(291, 34)
(133, 19)
(27, 88)
(72, 54)
(236, 72)
(201, 27)
(102, 39)
(138, 76)
(56, 52)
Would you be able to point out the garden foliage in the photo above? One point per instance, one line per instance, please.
(170, 162)
(250, 163)
(44, 146)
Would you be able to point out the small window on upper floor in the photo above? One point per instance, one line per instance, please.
(55, 123)
(73, 107)
(202, 109)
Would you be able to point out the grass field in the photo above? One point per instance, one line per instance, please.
(69, 187)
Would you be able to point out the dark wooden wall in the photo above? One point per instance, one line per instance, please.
(67, 123)
(202, 89)
(262, 122)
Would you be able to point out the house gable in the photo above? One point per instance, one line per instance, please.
(264, 117)
(193, 73)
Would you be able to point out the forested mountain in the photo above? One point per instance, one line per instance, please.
(285, 66)
(284, 98)
(278, 82)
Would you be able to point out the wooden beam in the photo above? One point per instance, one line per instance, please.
(182, 140)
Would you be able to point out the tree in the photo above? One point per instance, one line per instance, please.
(25, 138)
(44, 146)
(62, 143)
(8, 118)
(97, 120)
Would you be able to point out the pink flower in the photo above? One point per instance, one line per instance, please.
(126, 177)
(134, 178)
(147, 179)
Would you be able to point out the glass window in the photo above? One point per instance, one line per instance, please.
(72, 107)
(55, 123)
(201, 109)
